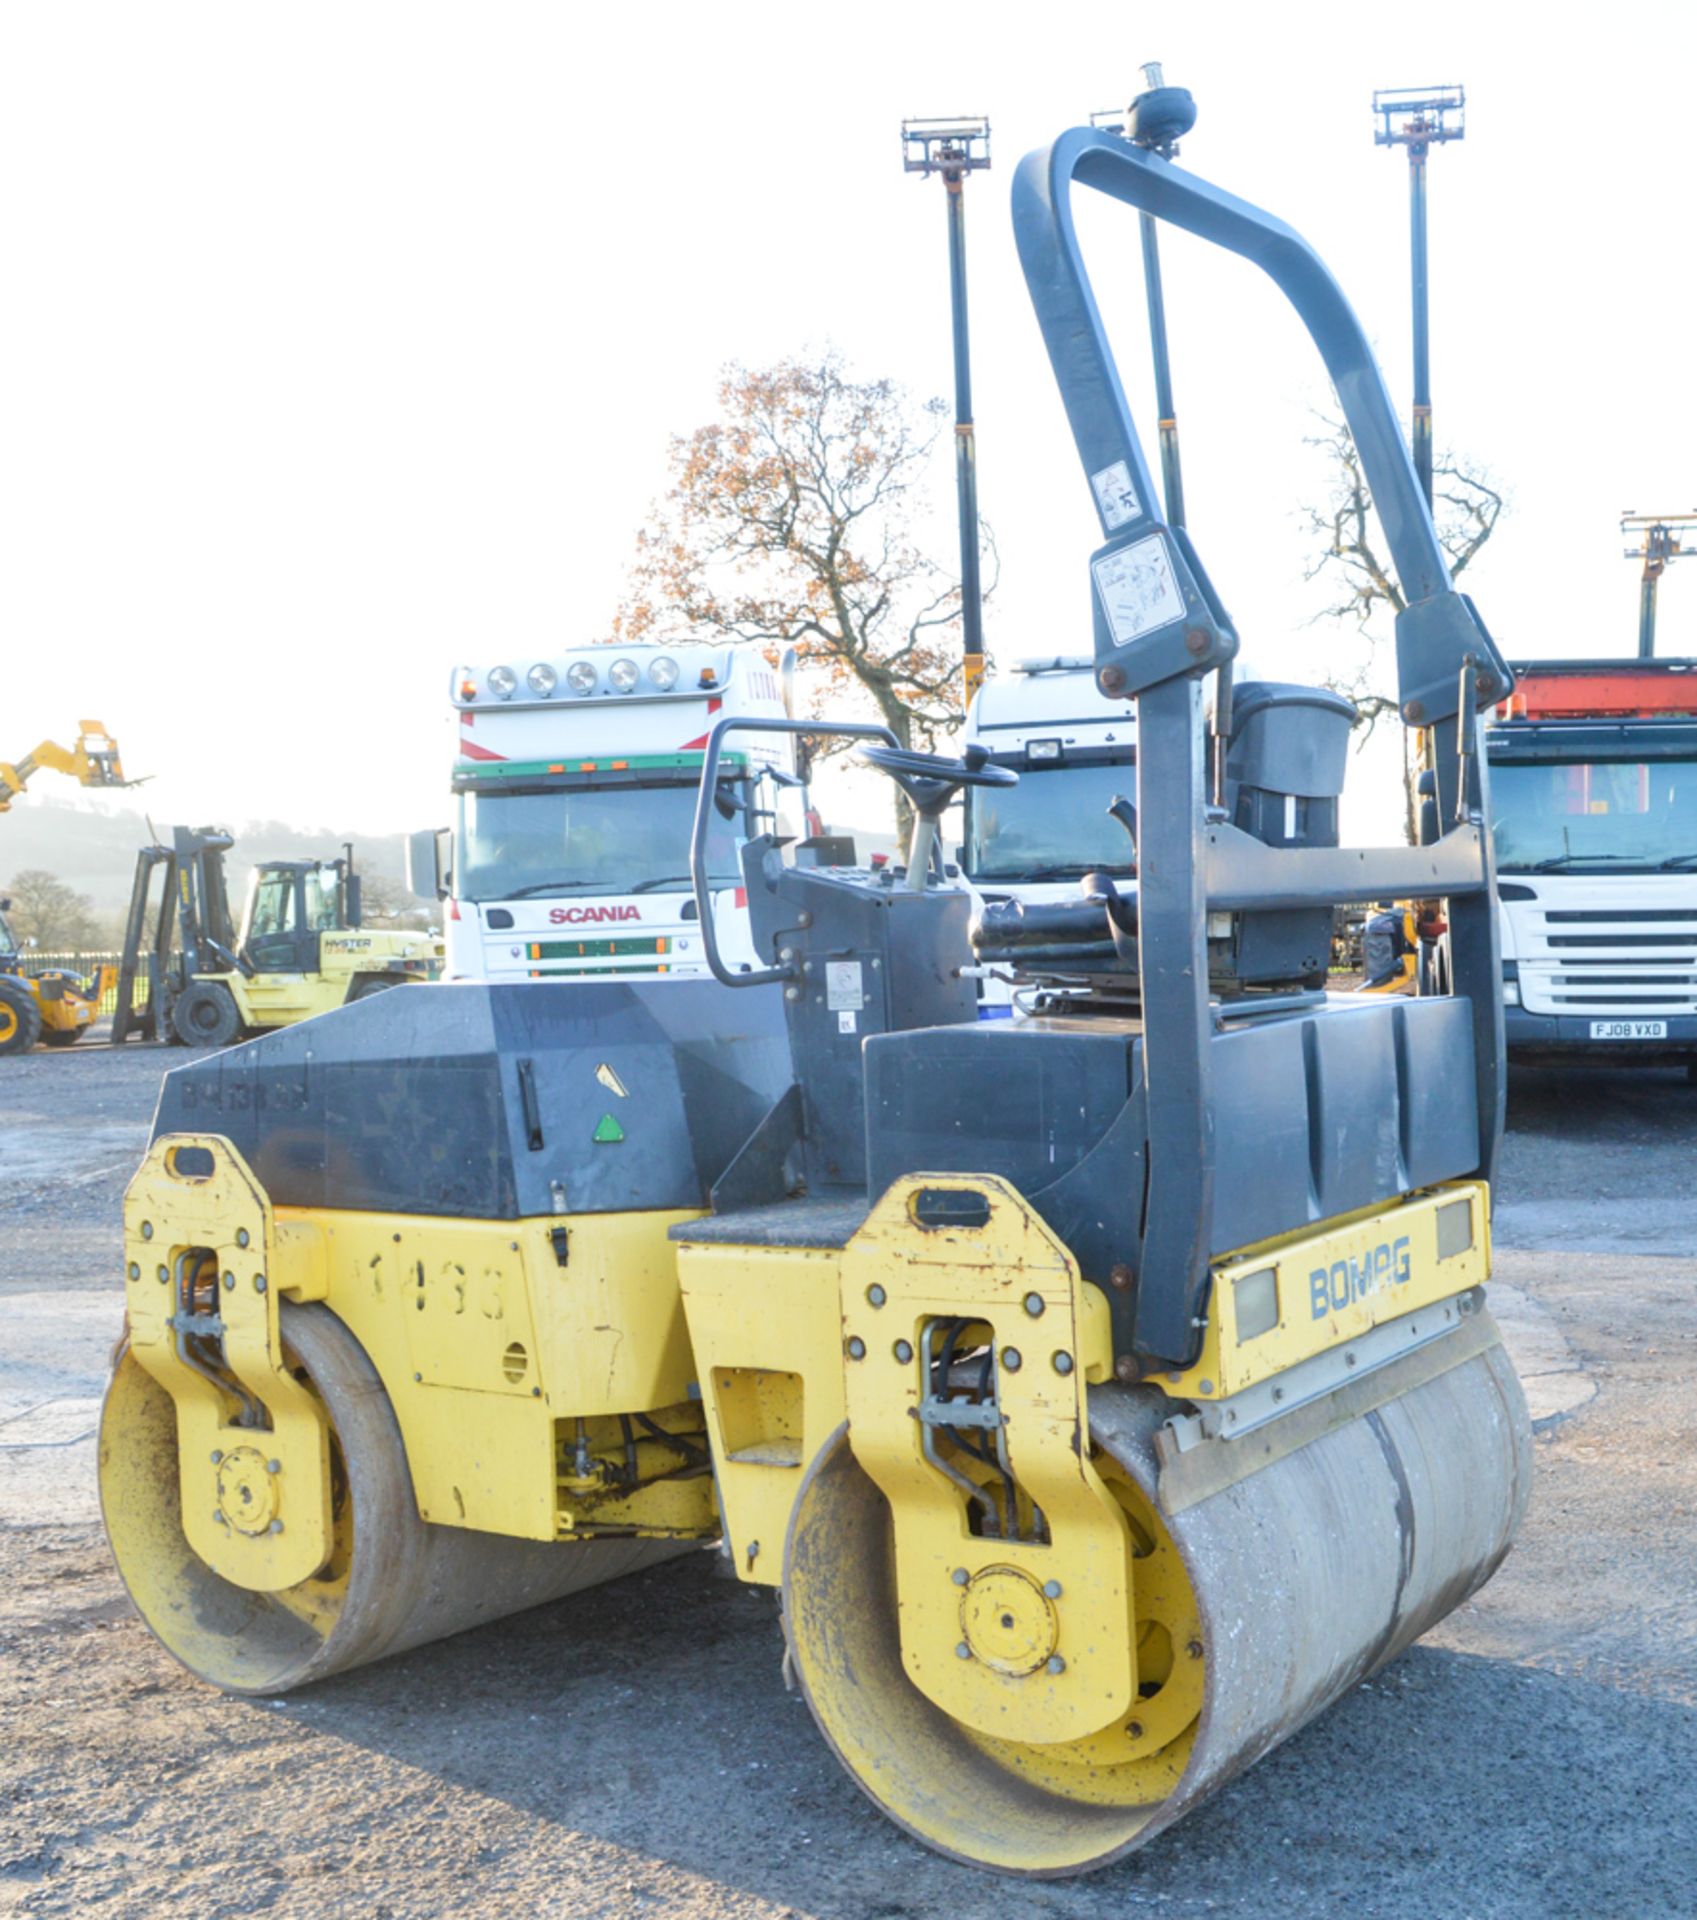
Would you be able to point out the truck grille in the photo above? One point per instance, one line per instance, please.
(1609, 960)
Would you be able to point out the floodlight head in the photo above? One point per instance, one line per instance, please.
(1659, 536)
(950, 144)
(1419, 117)
(1160, 116)
(1156, 120)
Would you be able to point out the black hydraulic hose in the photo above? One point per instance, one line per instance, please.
(676, 1441)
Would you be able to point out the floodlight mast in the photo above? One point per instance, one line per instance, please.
(1660, 544)
(954, 146)
(1420, 118)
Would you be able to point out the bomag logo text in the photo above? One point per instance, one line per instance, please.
(590, 916)
(1331, 1289)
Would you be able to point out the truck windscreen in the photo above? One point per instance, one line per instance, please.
(1614, 814)
(588, 839)
(1053, 826)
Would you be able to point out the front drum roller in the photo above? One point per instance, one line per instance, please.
(393, 1581)
(1256, 1608)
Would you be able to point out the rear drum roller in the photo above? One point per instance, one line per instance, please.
(393, 1581)
(1256, 1608)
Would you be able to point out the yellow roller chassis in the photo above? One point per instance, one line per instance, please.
(1027, 1603)
(1036, 1656)
(1282, 1302)
(308, 1405)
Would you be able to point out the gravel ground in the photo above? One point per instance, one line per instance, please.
(632, 1751)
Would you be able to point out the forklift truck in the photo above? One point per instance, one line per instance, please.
(300, 948)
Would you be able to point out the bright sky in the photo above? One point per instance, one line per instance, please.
(343, 341)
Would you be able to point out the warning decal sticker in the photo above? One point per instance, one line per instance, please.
(1115, 496)
(1137, 589)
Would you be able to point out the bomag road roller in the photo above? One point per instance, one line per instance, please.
(1104, 1393)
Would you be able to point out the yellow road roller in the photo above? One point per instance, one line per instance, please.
(1104, 1391)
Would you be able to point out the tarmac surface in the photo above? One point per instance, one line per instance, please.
(633, 1751)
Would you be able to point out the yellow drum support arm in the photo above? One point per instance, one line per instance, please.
(202, 1268)
(968, 1340)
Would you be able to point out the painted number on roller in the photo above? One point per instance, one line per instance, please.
(1331, 1289)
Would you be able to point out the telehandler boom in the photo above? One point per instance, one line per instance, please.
(1104, 1393)
(53, 1005)
(92, 762)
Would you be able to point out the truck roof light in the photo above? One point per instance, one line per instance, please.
(468, 687)
(581, 676)
(542, 679)
(708, 677)
(623, 675)
(503, 682)
(663, 672)
(1042, 750)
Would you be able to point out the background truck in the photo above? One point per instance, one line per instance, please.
(575, 785)
(1075, 753)
(1594, 792)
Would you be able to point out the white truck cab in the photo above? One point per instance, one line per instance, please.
(576, 783)
(1594, 813)
(1075, 753)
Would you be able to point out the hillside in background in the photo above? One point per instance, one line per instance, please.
(94, 851)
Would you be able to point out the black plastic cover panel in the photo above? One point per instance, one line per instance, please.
(497, 1102)
(1318, 1114)
(1315, 1114)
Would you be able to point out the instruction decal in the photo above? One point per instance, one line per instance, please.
(845, 990)
(1138, 590)
(1116, 497)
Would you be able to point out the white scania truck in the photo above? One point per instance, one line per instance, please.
(575, 784)
(1074, 753)
(1594, 810)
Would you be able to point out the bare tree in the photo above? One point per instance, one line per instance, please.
(385, 902)
(46, 910)
(790, 521)
(1348, 558)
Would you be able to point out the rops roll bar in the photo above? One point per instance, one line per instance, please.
(1159, 626)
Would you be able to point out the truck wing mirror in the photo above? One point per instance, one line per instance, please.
(429, 870)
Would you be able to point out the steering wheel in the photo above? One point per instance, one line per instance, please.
(931, 780)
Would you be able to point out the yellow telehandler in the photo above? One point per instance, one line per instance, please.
(54, 1006)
